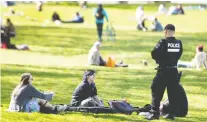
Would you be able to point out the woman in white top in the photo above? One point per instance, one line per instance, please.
(95, 58)
(198, 61)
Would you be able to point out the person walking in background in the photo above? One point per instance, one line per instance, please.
(99, 14)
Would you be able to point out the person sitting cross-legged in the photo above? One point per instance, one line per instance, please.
(85, 94)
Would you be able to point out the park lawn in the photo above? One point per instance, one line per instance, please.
(59, 52)
(119, 83)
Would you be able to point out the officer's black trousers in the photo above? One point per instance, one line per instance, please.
(166, 77)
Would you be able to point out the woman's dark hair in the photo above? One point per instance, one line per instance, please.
(77, 13)
(200, 48)
(24, 81)
(100, 11)
(8, 20)
(100, 6)
(89, 72)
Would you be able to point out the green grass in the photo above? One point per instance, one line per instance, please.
(58, 55)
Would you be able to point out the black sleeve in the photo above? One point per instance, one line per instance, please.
(94, 92)
(181, 50)
(81, 90)
(156, 52)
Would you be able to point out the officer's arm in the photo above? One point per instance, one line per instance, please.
(156, 52)
(181, 50)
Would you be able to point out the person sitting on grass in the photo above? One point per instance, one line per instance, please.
(94, 58)
(85, 94)
(26, 98)
(55, 17)
(7, 32)
(198, 61)
(141, 25)
(77, 19)
(10, 29)
(157, 25)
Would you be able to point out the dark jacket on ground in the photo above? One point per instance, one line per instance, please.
(181, 103)
(83, 91)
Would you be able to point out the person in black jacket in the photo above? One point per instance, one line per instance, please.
(166, 53)
(86, 93)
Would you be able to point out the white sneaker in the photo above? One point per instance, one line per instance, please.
(144, 113)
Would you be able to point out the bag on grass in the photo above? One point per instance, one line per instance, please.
(121, 107)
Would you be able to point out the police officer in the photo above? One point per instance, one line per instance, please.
(166, 53)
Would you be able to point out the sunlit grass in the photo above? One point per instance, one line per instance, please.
(58, 57)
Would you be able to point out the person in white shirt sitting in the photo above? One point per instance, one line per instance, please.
(198, 61)
(95, 58)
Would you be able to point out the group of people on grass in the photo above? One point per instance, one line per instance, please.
(141, 19)
(156, 25)
(26, 98)
(173, 10)
(99, 14)
(77, 19)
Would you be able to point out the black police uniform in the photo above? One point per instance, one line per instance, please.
(166, 53)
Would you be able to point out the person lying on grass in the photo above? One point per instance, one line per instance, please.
(26, 98)
(94, 58)
(198, 61)
(85, 95)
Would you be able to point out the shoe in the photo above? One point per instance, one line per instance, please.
(144, 114)
(121, 62)
(170, 116)
(152, 117)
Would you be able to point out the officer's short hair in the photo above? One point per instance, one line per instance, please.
(170, 27)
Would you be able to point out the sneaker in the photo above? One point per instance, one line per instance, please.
(144, 114)
(152, 117)
(170, 116)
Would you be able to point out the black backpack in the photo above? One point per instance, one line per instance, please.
(101, 15)
(121, 107)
